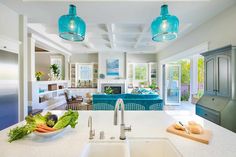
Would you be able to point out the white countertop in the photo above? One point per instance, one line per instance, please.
(148, 124)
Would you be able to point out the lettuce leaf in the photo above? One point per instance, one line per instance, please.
(69, 118)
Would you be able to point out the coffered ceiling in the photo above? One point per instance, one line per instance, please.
(118, 26)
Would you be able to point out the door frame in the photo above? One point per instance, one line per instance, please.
(179, 83)
(203, 47)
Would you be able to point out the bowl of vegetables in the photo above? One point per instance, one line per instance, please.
(44, 125)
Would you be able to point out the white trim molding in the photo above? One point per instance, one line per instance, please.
(49, 44)
(187, 53)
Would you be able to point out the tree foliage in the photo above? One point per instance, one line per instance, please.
(201, 70)
(185, 71)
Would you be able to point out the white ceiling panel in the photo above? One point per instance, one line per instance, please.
(115, 25)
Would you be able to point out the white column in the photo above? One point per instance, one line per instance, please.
(23, 64)
(67, 60)
(159, 75)
(193, 75)
(126, 67)
(31, 59)
(31, 69)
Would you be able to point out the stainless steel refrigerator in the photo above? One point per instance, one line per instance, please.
(9, 81)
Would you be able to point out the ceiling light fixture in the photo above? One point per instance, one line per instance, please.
(71, 27)
(165, 27)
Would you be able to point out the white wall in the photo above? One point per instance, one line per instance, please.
(9, 23)
(123, 59)
(218, 31)
(103, 56)
(84, 58)
(42, 63)
(141, 58)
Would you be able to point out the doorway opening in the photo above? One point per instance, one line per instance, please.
(183, 82)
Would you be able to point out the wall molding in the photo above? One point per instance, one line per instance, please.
(197, 50)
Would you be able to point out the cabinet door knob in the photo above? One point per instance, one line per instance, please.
(213, 99)
(4, 47)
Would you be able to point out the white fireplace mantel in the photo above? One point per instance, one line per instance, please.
(112, 81)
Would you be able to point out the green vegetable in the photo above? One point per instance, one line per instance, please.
(20, 132)
(38, 118)
(64, 122)
(69, 118)
(52, 120)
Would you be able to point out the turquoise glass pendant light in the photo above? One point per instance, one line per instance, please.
(165, 27)
(71, 27)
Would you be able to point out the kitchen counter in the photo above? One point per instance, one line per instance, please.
(150, 124)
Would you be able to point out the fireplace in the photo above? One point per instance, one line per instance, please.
(119, 86)
(115, 89)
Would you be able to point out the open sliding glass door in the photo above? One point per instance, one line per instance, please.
(172, 84)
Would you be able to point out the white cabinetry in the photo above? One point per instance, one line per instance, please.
(76, 75)
(8, 44)
(48, 94)
(152, 73)
(73, 74)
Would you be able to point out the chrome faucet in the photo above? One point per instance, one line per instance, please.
(90, 125)
(123, 128)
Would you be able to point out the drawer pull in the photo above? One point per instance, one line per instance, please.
(205, 114)
(213, 99)
(4, 47)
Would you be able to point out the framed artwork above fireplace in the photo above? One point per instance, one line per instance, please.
(112, 66)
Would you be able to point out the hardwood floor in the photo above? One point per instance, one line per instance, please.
(62, 107)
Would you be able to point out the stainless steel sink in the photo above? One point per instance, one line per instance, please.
(140, 147)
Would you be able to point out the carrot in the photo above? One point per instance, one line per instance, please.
(42, 130)
(46, 127)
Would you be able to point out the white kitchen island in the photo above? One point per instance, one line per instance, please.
(147, 124)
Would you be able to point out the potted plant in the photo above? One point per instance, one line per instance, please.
(153, 86)
(38, 75)
(108, 90)
(55, 70)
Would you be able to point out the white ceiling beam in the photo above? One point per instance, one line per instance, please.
(88, 44)
(41, 40)
(110, 35)
(145, 28)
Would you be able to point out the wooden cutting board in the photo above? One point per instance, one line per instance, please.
(203, 137)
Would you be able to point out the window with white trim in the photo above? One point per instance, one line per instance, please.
(141, 72)
(85, 72)
(137, 73)
(57, 60)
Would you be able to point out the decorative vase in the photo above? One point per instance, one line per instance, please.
(38, 78)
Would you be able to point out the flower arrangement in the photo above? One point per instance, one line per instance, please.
(38, 75)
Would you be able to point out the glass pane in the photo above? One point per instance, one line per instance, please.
(85, 72)
(173, 84)
(141, 72)
(130, 71)
(130, 75)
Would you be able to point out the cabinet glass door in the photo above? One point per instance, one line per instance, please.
(173, 84)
